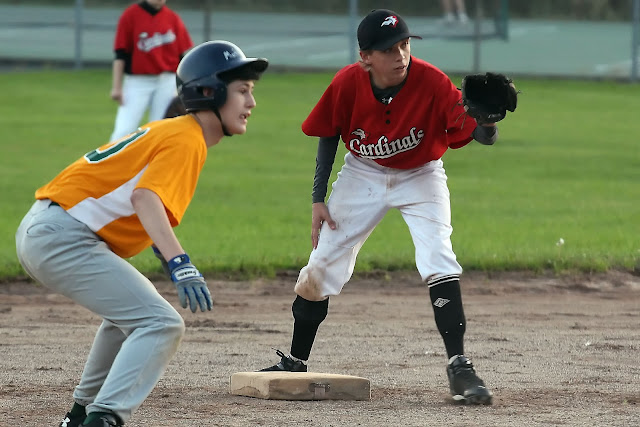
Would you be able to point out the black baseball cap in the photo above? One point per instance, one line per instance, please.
(381, 29)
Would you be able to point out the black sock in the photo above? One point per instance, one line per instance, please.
(304, 333)
(78, 410)
(446, 301)
(308, 315)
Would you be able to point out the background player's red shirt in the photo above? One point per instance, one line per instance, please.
(153, 41)
(422, 121)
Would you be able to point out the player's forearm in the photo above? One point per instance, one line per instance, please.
(486, 135)
(327, 148)
(153, 217)
(117, 74)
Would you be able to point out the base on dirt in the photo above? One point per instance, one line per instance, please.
(300, 386)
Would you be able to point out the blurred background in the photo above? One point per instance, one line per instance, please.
(592, 39)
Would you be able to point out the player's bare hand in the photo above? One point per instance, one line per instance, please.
(319, 215)
(116, 95)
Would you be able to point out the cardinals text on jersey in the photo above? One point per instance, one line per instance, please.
(384, 148)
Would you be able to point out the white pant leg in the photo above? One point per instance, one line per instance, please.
(422, 196)
(162, 96)
(66, 256)
(357, 204)
(136, 97)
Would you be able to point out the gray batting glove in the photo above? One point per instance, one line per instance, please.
(189, 283)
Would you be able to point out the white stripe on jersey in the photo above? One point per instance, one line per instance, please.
(96, 213)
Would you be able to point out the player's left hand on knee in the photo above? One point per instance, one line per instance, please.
(192, 288)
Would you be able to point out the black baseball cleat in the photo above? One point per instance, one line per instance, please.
(465, 385)
(286, 364)
(106, 420)
(72, 421)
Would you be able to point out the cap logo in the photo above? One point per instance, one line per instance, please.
(228, 55)
(390, 20)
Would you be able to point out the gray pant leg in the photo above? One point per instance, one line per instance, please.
(64, 255)
(104, 350)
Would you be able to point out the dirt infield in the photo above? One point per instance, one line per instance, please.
(554, 350)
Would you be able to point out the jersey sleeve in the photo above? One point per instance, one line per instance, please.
(322, 121)
(123, 40)
(175, 183)
(330, 113)
(460, 127)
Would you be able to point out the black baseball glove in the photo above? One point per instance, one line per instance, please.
(487, 97)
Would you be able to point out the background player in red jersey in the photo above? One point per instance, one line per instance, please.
(118, 200)
(150, 40)
(397, 115)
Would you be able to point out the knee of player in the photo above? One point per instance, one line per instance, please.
(173, 326)
(310, 284)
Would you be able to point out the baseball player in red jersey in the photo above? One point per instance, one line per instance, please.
(150, 40)
(116, 201)
(397, 115)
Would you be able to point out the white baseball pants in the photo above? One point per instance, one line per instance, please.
(139, 93)
(360, 197)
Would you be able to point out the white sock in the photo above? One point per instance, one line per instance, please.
(295, 359)
(454, 358)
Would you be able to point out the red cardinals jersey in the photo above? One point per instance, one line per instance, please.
(165, 157)
(422, 121)
(154, 41)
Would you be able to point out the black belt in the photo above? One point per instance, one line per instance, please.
(54, 204)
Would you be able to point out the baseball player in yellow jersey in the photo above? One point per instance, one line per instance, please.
(118, 200)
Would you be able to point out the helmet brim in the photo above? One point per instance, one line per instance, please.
(258, 65)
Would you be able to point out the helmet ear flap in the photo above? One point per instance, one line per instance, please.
(219, 95)
(195, 97)
(214, 95)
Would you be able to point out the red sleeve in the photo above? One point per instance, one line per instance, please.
(320, 122)
(459, 125)
(326, 118)
(123, 39)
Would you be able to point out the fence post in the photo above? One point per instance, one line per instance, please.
(206, 32)
(353, 30)
(78, 35)
(635, 36)
(477, 39)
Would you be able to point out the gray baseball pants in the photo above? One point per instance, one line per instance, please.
(140, 331)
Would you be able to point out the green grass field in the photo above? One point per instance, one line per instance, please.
(567, 165)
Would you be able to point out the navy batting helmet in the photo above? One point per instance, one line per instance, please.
(214, 64)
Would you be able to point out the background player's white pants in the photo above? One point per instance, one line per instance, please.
(139, 93)
(140, 332)
(360, 197)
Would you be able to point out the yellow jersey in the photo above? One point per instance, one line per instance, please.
(164, 156)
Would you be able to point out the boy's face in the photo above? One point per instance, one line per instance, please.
(237, 108)
(389, 67)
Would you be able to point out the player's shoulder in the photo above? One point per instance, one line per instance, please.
(132, 13)
(132, 9)
(168, 12)
(427, 69)
(180, 129)
(346, 74)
